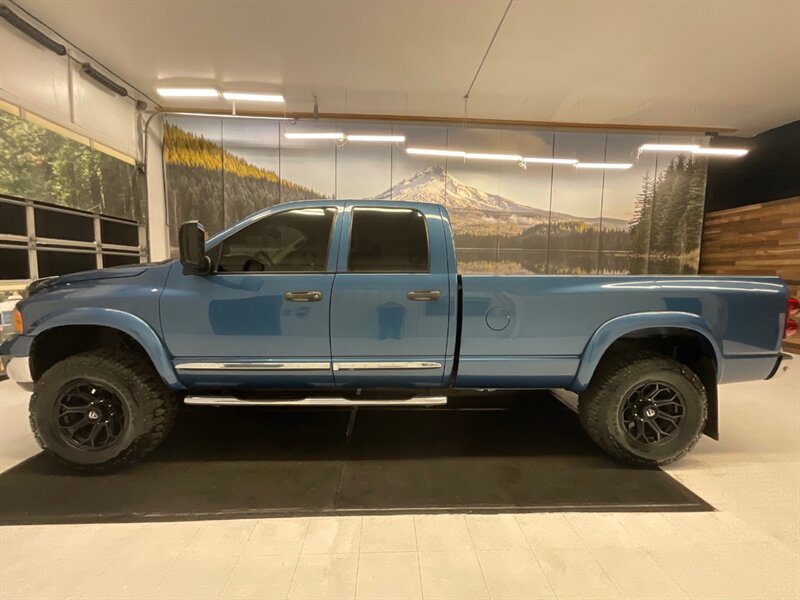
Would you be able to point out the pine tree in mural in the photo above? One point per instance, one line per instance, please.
(207, 183)
(668, 217)
(39, 164)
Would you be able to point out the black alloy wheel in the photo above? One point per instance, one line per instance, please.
(652, 413)
(89, 415)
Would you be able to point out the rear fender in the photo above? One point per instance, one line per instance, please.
(613, 329)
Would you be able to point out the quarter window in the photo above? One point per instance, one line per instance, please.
(393, 240)
(290, 241)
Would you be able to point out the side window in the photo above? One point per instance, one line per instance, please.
(291, 241)
(393, 240)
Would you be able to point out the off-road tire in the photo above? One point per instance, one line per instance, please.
(599, 408)
(151, 406)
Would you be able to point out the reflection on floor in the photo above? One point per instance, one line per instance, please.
(750, 548)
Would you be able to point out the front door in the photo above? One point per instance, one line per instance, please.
(391, 299)
(261, 318)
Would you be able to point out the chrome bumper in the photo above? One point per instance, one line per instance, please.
(18, 369)
(784, 361)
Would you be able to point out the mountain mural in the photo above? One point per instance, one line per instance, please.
(468, 204)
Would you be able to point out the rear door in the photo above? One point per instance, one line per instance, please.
(391, 298)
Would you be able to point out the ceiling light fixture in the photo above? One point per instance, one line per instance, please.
(735, 152)
(484, 156)
(322, 135)
(247, 97)
(668, 147)
(376, 138)
(187, 92)
(582, 165)
(435, 152)
(550, 161)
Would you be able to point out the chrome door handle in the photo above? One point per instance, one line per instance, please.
(425, 295)
(303, 296)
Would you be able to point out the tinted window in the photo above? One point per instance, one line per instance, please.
(291, 241)
(388, 240)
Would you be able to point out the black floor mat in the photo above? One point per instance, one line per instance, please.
(531, 455)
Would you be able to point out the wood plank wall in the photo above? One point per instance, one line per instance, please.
(760, 239)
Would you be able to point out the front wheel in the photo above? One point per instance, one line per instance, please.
(101, 410)
(645, 411)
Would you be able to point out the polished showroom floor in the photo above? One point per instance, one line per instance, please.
(748, 548)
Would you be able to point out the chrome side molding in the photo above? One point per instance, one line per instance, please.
(352, 366)
(229, 401)
(304, 366)
(254, 366)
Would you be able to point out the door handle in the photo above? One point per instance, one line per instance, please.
(303, 296)
(425, 295)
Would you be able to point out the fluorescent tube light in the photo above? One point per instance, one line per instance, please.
(376, 138)
(550, 161)
(433, 152)
(581, 165)
(721, 151)
(668, 147)
(483, 156)
(187, 92)
(322, 135)
(245, 97)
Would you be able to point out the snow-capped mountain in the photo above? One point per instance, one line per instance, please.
(436, 186)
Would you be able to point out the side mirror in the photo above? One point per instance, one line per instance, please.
(192, 236)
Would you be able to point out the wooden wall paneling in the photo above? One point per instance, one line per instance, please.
(759, 239)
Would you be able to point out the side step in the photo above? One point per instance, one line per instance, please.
(229, 401)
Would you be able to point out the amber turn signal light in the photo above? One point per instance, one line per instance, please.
(18, 321)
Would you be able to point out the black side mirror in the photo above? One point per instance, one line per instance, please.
(192, 236)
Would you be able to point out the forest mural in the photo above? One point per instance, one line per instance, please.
(506, 219)
(39, 164)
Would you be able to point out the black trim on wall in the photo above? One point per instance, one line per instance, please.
(770, 171)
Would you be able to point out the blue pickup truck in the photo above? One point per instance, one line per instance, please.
(359, 302)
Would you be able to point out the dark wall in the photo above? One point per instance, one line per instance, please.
(770, 171)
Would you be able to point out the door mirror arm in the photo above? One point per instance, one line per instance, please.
(192, 239)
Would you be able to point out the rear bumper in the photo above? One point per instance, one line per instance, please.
(781, 366)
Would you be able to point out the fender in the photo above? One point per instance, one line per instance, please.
(125, 322)
(615, 328)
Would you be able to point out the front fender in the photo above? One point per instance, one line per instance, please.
(613, 329)
(123, 321)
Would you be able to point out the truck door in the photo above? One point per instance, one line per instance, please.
(262, 317)
(391, 298)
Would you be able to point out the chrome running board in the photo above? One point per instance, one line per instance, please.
(229, 401)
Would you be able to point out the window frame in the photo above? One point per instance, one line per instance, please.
(215, 253)
(348, 247)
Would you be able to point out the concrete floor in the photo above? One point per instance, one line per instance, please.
(749, 548)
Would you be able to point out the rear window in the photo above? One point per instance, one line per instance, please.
(388, 240)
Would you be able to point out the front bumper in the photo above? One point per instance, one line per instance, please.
(783, 364)
(14, 353)
(18, 369)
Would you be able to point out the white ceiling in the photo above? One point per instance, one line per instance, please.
(710, 63)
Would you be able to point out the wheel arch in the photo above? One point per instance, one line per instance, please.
(685, 337)
(89, 328)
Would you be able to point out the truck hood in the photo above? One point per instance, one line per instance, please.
(39, 285)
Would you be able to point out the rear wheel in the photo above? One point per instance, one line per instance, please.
(101, 410)
(648, 411)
